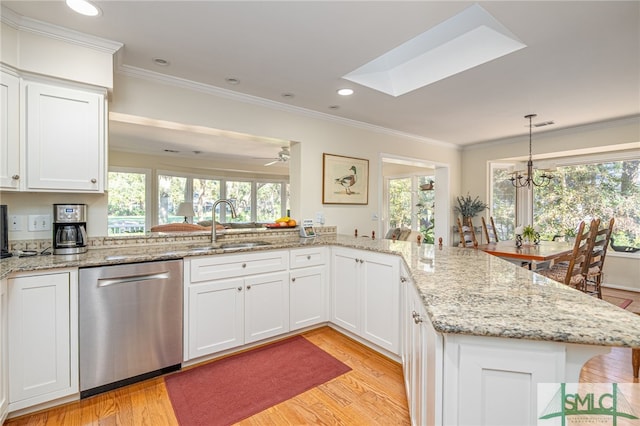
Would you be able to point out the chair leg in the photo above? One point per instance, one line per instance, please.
(635, 361)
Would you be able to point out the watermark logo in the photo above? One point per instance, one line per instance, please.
(586, 403)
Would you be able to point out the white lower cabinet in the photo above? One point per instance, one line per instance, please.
(43, 337)
(307, 297)
(266, 306)
(308, 292)
(365, 296)
(422, 360)
(4, 361)
(235, 299)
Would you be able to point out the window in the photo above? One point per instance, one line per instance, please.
(240, 193)
(592, 190)
(269, 201)
(400, 203)
(253, 201)
(131, 192)
(128, 201)
(205, 193)
(503, 202)
(172, 191)
(410, 206)
(584, 188)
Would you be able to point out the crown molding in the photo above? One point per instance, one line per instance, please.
(25, 24)
(153, 76)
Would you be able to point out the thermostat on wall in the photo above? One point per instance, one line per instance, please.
(307, 231)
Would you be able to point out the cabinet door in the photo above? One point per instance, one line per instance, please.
(266, 304)
(4, 378)
(345, 289)
(42, 353)
(9, 131)
(381, 301)
(307, 297)
(216, 316)
(64, 139)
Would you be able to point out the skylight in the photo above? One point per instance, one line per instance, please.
(466, 40)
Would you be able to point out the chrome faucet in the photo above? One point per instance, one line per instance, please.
(213, 216)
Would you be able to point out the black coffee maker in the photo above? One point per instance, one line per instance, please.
(69, 228)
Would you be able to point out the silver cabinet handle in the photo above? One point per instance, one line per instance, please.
(308, 257)
(248, 287)
(417, 319)
(361, 260)
(15, 177)
(94, 180)
(239, 288)
(403, 279)
(293, 280)
(244, 265)
(357, 260)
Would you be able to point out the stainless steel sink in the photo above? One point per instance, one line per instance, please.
(231, 246)
(242, 245)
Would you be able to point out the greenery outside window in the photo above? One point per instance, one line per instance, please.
(128, 203)
(411, 207)
(503, 202)
(591, 190)
(171, 192)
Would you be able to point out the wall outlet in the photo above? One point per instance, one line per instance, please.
(39, 222)
(16, 223)
(374, 216)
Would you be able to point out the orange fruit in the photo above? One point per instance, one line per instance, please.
(292, 222)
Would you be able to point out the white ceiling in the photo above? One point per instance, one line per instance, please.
(581, 64)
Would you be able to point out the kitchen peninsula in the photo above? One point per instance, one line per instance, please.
(478, 324)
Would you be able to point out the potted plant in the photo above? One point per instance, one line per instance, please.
(469, 207)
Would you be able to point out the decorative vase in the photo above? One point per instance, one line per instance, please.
(536, 238)
(518, 240)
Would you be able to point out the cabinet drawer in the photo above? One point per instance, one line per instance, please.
(237, 265)
(302, 258)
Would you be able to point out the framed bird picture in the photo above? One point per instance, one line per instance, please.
(345, 180)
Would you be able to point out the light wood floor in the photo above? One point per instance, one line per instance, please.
(372, 393)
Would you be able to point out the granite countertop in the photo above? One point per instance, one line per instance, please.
(465, 291)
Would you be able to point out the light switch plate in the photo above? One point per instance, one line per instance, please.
(39, 222)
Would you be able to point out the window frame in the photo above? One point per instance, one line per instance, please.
(148, 182)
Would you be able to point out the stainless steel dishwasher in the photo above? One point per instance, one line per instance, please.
(130, 323)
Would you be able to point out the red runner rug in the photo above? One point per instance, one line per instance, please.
(234, 388)
(618, 301)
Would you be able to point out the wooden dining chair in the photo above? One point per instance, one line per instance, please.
(594, 266)
(490, 231)
(467, 234)
(569, 269)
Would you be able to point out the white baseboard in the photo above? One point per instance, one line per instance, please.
(621, 287)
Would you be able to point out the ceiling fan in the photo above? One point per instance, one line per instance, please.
(282, 157)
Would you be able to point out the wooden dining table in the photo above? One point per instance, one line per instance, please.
(530, 253)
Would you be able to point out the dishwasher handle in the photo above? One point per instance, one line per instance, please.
(104, 282)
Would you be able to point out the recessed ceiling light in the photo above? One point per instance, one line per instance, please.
(288, 95)
(232, 80)
(84, 7)
(345, 92)
(172, 151)
(161, 62)
(334, 106)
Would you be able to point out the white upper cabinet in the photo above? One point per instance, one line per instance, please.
(64, 138)
(9, 131)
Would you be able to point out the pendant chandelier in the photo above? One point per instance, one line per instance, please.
(520, 181)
